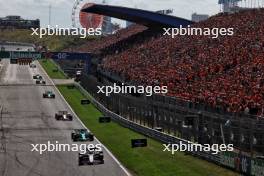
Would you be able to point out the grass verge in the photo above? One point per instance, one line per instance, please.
(52, 69)
(149, 161)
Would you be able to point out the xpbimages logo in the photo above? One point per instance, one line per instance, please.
(51, 31)
(125, 89)
(195, 31)
(193, 147)
(58, 147)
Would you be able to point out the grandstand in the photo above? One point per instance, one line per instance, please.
(203, 70)
(219, 82)
(196, 68)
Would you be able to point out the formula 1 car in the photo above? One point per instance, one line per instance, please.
(82, 135)
(63, 115)
(48, 94)
(37, 76)
(40, 81)
(91, 157)
(32, 66)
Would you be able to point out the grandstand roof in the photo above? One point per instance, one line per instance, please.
(147, 18)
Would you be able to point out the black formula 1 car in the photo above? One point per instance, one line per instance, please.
(64, 116)
(48, 94)
(91, 157)
(37, 76)
(82, 135)
(40, 81)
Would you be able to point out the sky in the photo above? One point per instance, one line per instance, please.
(62, 9)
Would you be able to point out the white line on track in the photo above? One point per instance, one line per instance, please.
(109, 152)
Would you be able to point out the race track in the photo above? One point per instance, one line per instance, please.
(28, 119)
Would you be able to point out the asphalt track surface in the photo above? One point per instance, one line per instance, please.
(28, 119)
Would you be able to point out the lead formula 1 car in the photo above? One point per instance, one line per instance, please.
(91, 157)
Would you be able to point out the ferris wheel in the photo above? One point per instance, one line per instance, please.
(86, 20)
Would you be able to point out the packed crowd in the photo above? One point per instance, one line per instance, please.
(226, 72)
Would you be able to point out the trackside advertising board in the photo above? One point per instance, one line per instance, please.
(32, 55)
(257, 167)
(4, 54)
(243, 164)
(70, 56)
(20, 54)
(38, 55)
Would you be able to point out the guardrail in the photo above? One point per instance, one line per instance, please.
(235, 161)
